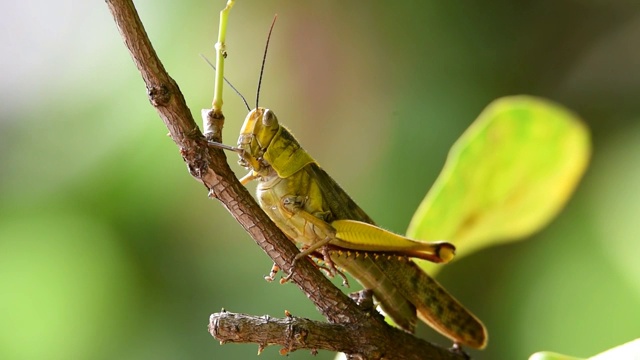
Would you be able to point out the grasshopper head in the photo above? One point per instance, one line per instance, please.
(256, 134)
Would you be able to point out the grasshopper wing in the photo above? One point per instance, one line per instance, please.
(398, 283)
(436, 306)
(363, 268)
(337, 200)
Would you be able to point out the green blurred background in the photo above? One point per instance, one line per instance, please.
(110, 250)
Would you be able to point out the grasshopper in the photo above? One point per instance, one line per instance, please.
(313, 210)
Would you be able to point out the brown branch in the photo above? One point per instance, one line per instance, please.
(294, 333)
(209, 166)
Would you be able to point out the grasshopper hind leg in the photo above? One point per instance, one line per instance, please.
(315, 227)
(328, 270)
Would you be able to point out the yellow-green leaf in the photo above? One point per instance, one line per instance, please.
(628, 351)
(506, 177)
(548, 355)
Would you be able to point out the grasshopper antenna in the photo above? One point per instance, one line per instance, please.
(228, 82)
(264, 59)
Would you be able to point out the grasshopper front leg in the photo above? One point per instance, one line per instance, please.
(252, 175)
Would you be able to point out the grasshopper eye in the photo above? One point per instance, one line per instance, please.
(269, 118)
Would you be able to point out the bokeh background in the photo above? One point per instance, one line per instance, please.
(110, 250)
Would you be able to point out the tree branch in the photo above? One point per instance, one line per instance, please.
(294, 333)
(209, 166)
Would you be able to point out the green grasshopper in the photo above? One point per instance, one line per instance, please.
(313, 210)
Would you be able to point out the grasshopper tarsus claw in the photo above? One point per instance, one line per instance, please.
(293, 266)
(286, 278)
(345, 281)
(272, 274)
(330, 264)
